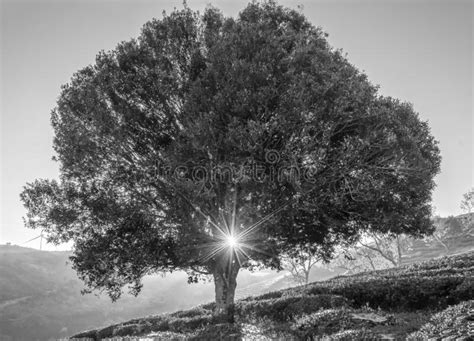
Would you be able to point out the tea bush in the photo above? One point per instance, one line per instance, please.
(454, 323)
(400, 293)
(189, 324)
(190, 313)
(224, 331)
(286, 308)
(430, 284)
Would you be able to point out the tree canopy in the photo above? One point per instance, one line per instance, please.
(210, 144)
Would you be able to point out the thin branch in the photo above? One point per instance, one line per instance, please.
(376, 249)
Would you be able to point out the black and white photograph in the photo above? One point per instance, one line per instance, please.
(237, 170)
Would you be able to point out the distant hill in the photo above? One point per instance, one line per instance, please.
(40, 297)
(28, 272)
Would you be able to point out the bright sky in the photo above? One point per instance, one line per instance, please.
(418, 51)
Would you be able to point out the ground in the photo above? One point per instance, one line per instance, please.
(428, 300)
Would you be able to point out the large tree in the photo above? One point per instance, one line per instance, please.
(210, 144)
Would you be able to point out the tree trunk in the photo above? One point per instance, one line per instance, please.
(225, 282)
(438, 239)
(399, 252)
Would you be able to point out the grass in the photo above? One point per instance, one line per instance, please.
(411, 301)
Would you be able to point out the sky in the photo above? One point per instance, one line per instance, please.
(417, 51)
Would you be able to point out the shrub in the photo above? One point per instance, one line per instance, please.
(208, 306)
(328, 322)
(223, 331)
(325, 321)
(266, 296)
(189, 324)
(455, 322)
(465, 291)
(286, 308)
(190, 313)
(352, 334)
(400, 293)
(160, 323)
(168, 336)
(128, 329)
(106, 332)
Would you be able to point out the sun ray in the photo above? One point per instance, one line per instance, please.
(237, 257)
(245, 253)
(202, 245)
(212, 253)
(248, 230)
(245, 232)
(224, 220)
(220, 230)
(233, 239)
(234, 212)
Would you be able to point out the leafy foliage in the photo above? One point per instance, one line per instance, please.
(197, 93)
(453, 322)
(286, 308)
(330, 322)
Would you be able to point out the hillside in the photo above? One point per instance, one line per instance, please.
(431, 299)
(40, 294)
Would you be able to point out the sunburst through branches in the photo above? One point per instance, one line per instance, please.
(232, 238)
(232, 241)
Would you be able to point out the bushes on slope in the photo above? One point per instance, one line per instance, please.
(431, 284)
(454, 322)
(286, 308)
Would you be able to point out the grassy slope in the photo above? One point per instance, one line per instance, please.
(391, 303)
(40, 295)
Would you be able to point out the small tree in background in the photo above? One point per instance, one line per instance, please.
(300, 268)
(300, 261)
(373, 252)
(211, 144)
(389, 247)
(467, 204)
(357, 258)
(447, 230)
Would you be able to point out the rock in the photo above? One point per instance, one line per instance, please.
(369, 317)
